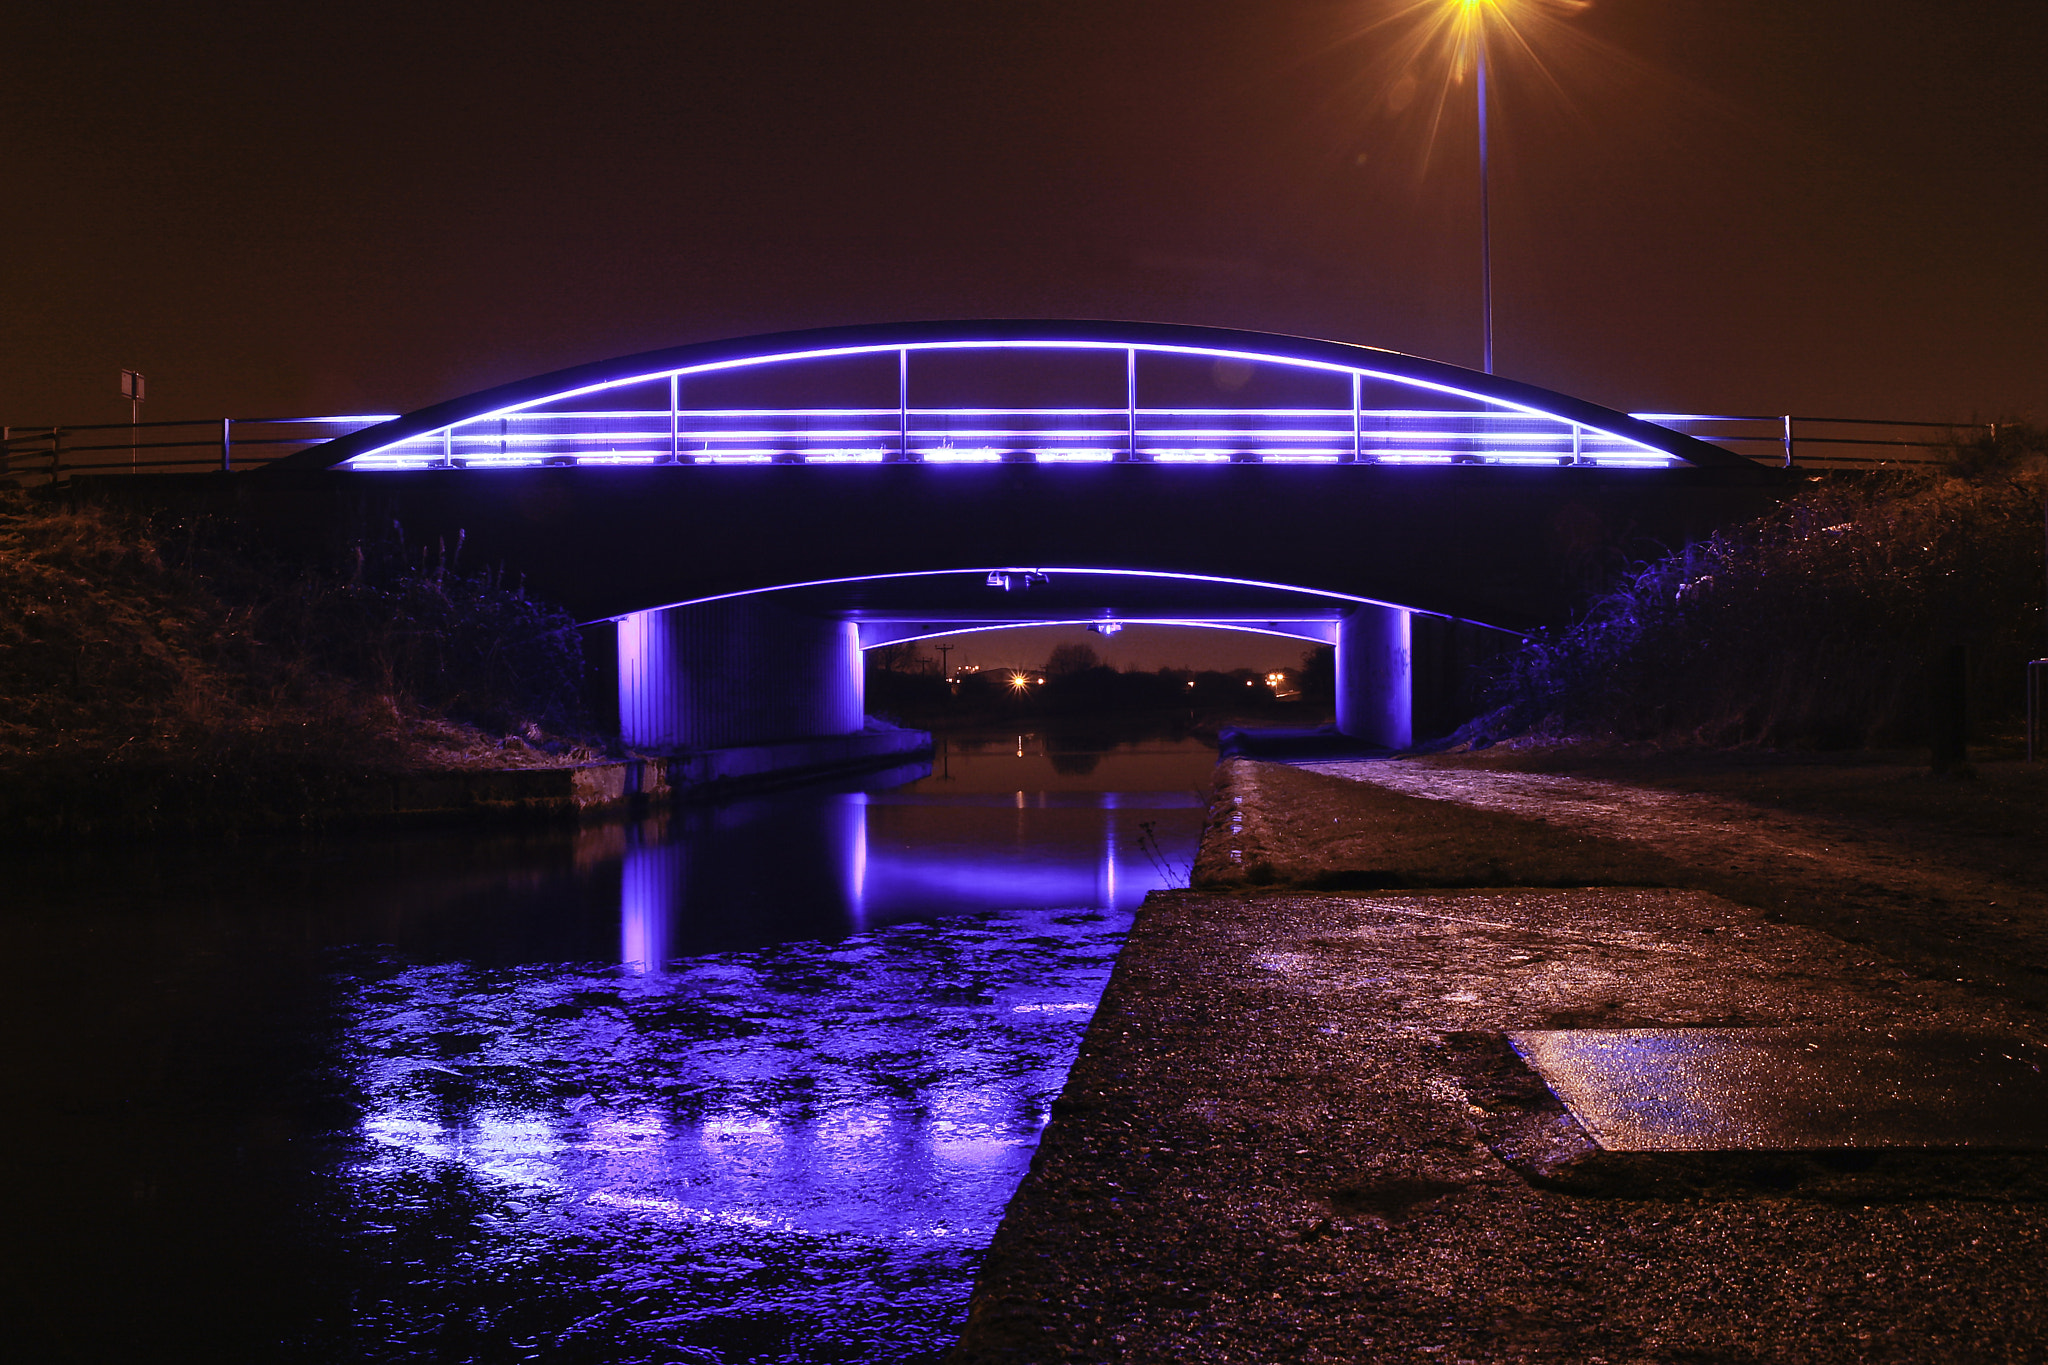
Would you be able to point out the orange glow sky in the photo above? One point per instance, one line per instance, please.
(1720, 205)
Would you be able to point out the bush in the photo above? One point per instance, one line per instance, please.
(410, 624)
(1813, 627)
(123, 634)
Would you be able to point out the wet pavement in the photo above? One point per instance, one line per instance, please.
(1298, 1129)
(745, 1083)
(1780, 1090)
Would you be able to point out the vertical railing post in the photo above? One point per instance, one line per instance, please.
(1788, 440)
(675, 414)
(1578, 444)
(903, 403)
(1131, 402)
(2034, 707)
(227, 445)
(448, 447)
(1357, 417)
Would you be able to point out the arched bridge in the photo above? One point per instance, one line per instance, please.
(753, 513)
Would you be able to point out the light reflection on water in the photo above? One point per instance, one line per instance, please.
(784, 1122)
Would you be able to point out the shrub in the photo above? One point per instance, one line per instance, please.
(1815, 626)
(409, 623)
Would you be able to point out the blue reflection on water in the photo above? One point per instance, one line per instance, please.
(727, 1148)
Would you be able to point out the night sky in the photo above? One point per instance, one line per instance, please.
(1700, 205)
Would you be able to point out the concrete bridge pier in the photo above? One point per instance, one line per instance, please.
(1376, 675)
(1405, 677)
(722, 675)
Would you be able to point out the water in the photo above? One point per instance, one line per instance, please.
(743, 1083)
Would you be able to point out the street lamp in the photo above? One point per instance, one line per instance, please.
(1485, 225)
(1468, 37)
(1469, 22)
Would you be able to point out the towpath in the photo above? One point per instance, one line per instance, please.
(1295, 1131)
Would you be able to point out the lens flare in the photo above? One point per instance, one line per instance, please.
(1426, 51)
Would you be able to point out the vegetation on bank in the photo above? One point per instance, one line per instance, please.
(158, 671)
(1819, 626)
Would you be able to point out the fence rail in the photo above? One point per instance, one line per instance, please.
(41, 455)
(1794, 442)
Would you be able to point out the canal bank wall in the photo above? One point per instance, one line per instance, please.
(113, 801)
(1295, 1130)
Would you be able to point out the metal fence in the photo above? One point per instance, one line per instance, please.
(1793, 442)
(37, 455)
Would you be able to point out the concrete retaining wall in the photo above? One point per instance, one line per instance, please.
(595, 788)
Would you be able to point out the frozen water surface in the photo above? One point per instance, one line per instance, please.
(745, 1083)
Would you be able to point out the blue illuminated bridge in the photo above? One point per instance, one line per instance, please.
(752, 514)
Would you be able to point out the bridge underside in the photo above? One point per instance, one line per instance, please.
(915, 605)
(765, 667)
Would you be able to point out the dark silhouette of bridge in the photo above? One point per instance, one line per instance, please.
(752, 514)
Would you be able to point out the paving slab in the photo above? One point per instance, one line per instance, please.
(1297, 1132)
(1732, 1090)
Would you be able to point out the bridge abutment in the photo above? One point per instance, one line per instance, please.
(719, 675)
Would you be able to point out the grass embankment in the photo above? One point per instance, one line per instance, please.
(1820, 626)
(162, 674)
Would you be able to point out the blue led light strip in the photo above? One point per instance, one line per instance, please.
(1508, 426)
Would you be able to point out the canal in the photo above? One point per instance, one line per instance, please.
(747, 1082)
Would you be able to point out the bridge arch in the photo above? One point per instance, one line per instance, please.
(784, 661)
(1052, 392)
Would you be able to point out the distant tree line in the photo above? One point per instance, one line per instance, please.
(905, 683)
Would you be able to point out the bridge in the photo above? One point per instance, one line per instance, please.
(749, 515)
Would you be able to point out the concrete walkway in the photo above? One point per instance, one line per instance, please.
(1295, 1131)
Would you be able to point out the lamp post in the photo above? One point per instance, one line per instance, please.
(1485, 225)
(1469, 25)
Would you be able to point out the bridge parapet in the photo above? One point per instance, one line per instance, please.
(991, 393)
(1017, 392)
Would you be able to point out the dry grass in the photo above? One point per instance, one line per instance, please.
(132, 651)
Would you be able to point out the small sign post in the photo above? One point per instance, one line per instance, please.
(132, 385)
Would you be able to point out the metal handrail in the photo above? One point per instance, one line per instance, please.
(1789, 434)
(47, 453)
(50, 453)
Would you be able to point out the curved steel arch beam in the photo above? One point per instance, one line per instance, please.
(1334, 603)
(1334, 356)
(1311, 632)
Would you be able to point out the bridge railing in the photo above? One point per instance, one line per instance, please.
(38, 455)
(1828, 442)
(1296, 435)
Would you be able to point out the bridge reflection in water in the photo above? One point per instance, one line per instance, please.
(850, 861)
(785, 1124)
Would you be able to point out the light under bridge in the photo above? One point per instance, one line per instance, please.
(750, 515)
